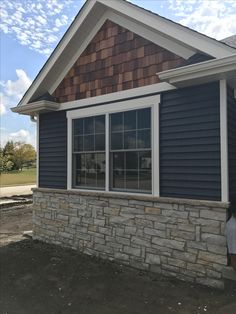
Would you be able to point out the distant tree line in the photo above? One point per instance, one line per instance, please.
(16, 155)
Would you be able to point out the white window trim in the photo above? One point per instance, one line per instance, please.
(146, 102)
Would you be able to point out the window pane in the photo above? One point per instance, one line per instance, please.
(89, 125)
(100, 124)
(80, 178)
(90, 161)
(118, 179)
(91, 177)
(117, 141)
(100, 142)
(145, 181)
(101, 179)
(144, 118)
(131, 180)
(145, 161)
(78, 127)
(130, 139)
(116, 122)
(131, 160)
(130, 120)
(144, 139)
(78, 143)
(118, 161)
(89, 143)
(100, 162)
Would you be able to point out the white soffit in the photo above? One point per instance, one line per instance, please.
(172, 36)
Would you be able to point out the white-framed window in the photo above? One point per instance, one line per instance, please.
(115, 147)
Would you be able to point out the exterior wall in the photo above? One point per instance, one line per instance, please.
(232, 145)
(53, 150)
(115, 60)
(190, 143)
(180, 238)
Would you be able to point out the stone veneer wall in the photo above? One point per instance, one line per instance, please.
(174, 237)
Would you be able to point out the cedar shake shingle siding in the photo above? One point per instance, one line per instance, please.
(115, 60)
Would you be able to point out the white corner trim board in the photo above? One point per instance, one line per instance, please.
(151, 102)
(224, 142)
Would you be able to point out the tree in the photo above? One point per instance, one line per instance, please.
(5, 163)
(23, 153)
(8, 152)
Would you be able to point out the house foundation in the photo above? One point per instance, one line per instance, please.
(174, 237)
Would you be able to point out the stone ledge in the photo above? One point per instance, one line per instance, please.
(229, 273)
(182, 201)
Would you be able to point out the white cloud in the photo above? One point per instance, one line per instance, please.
(3, 109)
(37, 24)
(17, 88)
(22, 135)
(11, 91)
(212, 18)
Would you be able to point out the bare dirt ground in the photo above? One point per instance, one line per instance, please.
(37, 278)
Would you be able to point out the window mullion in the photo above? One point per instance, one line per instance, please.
(107, 149)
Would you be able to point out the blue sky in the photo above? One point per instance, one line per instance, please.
(31, 29)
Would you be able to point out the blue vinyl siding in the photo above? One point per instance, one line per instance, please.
(232, 145)
(190, 143)
(53, 150)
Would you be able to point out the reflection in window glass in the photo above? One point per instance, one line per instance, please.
(130, 151)
(89, 152)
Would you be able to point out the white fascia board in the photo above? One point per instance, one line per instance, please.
(57, 52)
(199, 70)
(174, 30)
(118, 96)
(36, 107)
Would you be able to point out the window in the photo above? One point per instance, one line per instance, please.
(89, 152)
(130, 151)
(114, 147)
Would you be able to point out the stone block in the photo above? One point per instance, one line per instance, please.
(140, 241)
(155, 232)
(111, 211)
(152, 210)
(75, 220)
(176, 262)
(183, 234)
(122, 256)
(130, 230)
(213, 214)
(173, 244)
(214, 239)
(212, 258)
(185, 256)
(152, 259)
(132, 251)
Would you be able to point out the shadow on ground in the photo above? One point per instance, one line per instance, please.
(37, 278)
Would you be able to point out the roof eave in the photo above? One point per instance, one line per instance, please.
(224, 68)
(36, 108)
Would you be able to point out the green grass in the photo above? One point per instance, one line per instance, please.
(24, 177)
